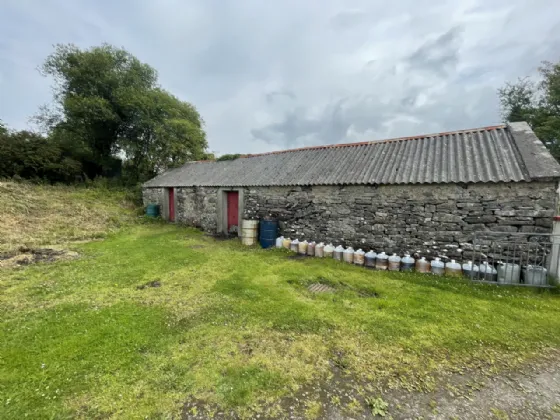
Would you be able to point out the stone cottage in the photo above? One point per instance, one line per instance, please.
(398, 195)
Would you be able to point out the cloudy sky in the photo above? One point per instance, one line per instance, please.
(270, 75)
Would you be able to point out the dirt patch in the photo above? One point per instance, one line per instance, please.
(529, 393)
(154, 283)
(26, 256)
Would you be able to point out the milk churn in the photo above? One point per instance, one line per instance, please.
(394, 263)
(338, 251)
(359, 257)
(311, 249)
(407, 263)
(369, 259)
(294, 246)
(381, 262)
(328, 251)
(470, 269)
(453, 268)
(320, 250)
(422, 266)
(348, 255)
(438, 267)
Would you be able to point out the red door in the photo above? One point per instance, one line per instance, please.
(232, 210)
(171, 204)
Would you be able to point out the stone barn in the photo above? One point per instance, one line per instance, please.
(405, 194)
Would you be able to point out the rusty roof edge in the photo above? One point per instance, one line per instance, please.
(538, 161)
(366, 143)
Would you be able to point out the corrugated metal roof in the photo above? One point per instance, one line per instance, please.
(487, 154)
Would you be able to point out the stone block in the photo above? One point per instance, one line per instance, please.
(544, 221)
(480, 219)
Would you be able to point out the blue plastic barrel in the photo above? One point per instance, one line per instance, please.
(268, 233)
(152, 210)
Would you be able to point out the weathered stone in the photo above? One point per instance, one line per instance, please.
(545, 222)
(505, 212)
(480, 219)
(400, 217)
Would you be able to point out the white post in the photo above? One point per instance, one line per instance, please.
(554, 266)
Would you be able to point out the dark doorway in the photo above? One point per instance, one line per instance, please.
(171, 193)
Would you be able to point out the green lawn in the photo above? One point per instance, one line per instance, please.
(235, 328)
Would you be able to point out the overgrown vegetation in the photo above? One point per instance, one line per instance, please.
(537, 103)
(158, 319)
(228, 157)
(36, 215)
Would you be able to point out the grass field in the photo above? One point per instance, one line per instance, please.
(234, 328)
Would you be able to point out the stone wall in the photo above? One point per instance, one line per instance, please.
(152, 196)
(405, 218)
(196, 206)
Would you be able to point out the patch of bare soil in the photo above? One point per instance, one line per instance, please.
(155, 283)
(26, 256)
(529, 393)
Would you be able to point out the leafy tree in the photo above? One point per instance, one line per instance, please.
(31, 156)
(538, 103)
(107, 104)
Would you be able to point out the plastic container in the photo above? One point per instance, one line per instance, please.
(369, 259)
(469, 268)
(320, 250)
(337, 254)
(302, 247)
(437, 267)
(279, 241)
(407, 263)
(328, 251)
(509, 273)
(453, 269)
(294, 246)
(381, 261)
(535, 275)
(311, 249)
(267, 233)
(348, 255)
(359, 257)
(422, 266)
(394, 263)
(249, 232)
(152, 210)
(286, 242)
(487, 272)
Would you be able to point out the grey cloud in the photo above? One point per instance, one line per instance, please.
(270, 75)
(440, 55)
(279, 94)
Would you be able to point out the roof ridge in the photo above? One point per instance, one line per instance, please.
(364, 143)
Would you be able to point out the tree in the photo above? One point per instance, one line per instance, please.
(108, 105)
(31, 156)
(537, 103)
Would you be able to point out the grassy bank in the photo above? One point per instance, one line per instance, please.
(37, 215)
(158, 319)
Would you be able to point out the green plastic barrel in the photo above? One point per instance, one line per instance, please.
(152, 210)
